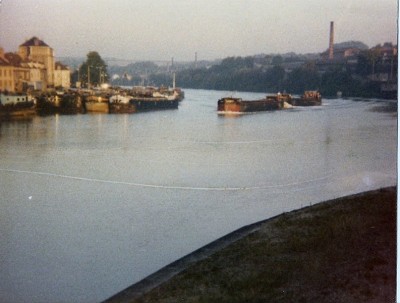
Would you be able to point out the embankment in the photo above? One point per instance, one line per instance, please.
(343, 250)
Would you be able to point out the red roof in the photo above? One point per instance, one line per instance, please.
(4, 62)
(13, 59)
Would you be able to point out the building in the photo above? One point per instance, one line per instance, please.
(37, 75)
(6, 73)
(17, 75)
(19, 72)
(36, 50)
(33, 66)
(387, 52)
(62, 76)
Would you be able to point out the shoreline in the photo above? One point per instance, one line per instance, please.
(168, 272)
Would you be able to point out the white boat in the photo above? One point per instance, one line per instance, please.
(14, 105)
(118, 98)
(121, 104)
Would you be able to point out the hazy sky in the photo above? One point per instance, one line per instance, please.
(161, 29)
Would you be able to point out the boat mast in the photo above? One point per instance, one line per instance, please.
(88, 76)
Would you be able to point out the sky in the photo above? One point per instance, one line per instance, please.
(160, 30)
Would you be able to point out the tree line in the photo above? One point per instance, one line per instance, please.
(242, 74)
(257, 75)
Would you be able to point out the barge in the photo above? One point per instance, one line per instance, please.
(151, 98)
(309, 98)
(269, 103)
(131, 101)
(120, 104)
(96, 104)
(153, 103)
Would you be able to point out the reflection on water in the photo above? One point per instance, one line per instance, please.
(93, 203)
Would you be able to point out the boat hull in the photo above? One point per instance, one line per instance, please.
(97, 107)
(17, 114)
(309, 98)
(20, 110)
(146, 104)
(239, 105)
(304, 102)
(121, 108)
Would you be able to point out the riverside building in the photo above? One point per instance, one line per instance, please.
(33, 66)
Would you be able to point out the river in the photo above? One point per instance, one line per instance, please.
(90, 204)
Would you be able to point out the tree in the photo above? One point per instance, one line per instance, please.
(363, 67)
(277, 60)
(373, 56)
(303, 78)
(334, 80)
(275, 77)
(93, 71)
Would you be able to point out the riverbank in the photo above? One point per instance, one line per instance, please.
(342, 250)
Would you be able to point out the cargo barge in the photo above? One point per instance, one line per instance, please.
(120, 104)
(269, 103)
(153, 103)
(96, 104)
(140, 99)
(309, 98)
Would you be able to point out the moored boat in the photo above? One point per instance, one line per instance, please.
(120, 104)
(154, 103)
(69, 103)
(96, 104)
(16, 106)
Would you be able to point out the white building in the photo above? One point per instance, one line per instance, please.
(62, 76)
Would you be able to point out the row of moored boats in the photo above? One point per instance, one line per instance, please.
(134, 100)
(74, 101)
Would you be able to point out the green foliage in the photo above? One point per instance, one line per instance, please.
(274, 79)
(303, 78)
(336, 80)
(235, 63)
(273, 74)
(93, 70)
(162, 79)
(277, 60)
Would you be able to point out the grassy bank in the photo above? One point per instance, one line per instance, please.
(338, 251)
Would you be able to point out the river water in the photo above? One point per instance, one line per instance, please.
(90, 204)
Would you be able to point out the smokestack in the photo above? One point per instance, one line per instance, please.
(331, 34)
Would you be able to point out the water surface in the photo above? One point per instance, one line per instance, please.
(91, 204)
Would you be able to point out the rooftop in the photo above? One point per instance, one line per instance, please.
(34, 41)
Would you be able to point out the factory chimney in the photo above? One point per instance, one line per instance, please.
(331, 34)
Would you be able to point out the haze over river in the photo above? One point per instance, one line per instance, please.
(90, 204)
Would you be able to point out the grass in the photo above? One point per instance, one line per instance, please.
(338, 251)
